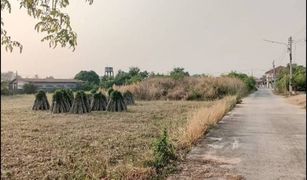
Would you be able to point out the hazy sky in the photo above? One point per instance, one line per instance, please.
(203, 36)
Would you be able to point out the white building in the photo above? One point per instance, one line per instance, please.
(48, 85)
(270, 77)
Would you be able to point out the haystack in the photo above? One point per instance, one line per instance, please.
(60, 103)
(80, 104)
(41, 101)
(128, 97)
(116, 102)
(99, 102)
(69, 96)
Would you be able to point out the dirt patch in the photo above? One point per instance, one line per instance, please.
(299, 100)
(208, 168)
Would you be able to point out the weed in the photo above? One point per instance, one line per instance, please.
(164, 151)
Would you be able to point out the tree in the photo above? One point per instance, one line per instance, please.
(122, 78)
(29, 88)
(51, 20)
(90, 77)
(133, 71)
(178, 73)
(298, 79)
(249, 81)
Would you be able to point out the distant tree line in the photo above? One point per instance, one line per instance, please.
(249, 81)
(92, 81)
(133, 75)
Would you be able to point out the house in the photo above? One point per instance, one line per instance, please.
(16, 85)
(270, 76)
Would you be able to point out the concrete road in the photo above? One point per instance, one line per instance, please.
(262, 138)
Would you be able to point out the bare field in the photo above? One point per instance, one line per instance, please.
(37, 145)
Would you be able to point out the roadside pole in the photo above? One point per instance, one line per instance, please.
(290, 64)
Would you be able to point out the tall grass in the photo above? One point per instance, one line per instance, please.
(189, 88)
(202, 119)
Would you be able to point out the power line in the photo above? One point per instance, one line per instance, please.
(277, 42)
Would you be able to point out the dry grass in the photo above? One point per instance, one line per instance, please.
(297, 100)
(37, 145)
(198, 88)
(203, 118)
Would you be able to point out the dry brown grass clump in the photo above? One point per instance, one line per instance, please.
(203, 118)
(298, 100)
(189, 88)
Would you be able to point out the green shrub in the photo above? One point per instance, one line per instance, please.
(29, 88)
(249, 81)
(194, 95)
(164, 151)
(5, 91)
(5, 88)
(298, 79)
(178, 73)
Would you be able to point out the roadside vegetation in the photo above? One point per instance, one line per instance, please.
(187, 88)
(298, 80)
(136, 130)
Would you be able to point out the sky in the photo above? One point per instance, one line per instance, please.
(202, 36)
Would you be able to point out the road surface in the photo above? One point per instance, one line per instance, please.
(262, 138)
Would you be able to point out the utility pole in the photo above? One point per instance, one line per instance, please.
(274, 74)
(290, 64)
(289, 47)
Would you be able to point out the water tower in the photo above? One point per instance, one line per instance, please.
(108, 71)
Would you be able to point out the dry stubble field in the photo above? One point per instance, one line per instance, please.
(37, 145)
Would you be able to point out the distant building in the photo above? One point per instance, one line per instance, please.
(108, 71)
(16, 85)
(270, 77)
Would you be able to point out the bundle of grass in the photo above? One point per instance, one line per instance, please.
(94, 90)
(99, 102)
(110, 91)
(116, 102)
(68, 95)
(60, 104)
(41, 101)
(88, 99)
(80, 104)
(128, 97)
